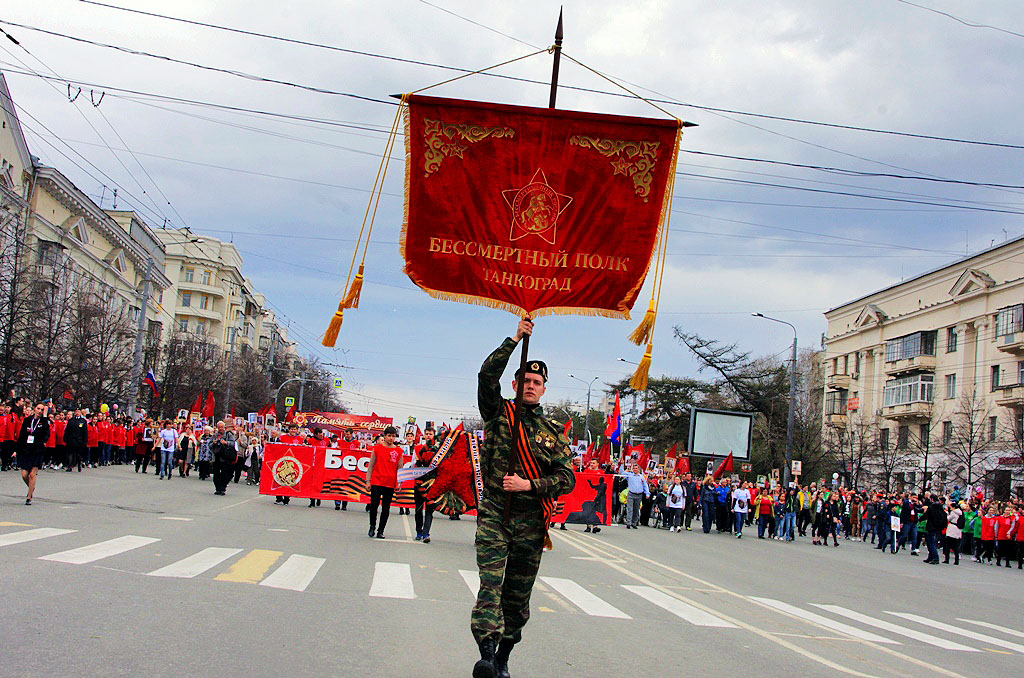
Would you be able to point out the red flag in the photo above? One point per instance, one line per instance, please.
(671, 452)
(726, 465)
(524, 209)
(588, 455)
(604, 453)
(233, 415)
(643, 456)
(419, 435)
(209, 405)
(196, 405)
(568, 427)
(461, 426)
(291, 413)
(683, 465)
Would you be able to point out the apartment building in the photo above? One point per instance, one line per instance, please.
(933, 368)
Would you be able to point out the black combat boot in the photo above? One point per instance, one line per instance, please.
(484, 668)
(501, 658)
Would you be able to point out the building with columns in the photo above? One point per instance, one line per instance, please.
(924, 379)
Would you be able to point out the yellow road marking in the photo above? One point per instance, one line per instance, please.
(251, 568)
(545, 609)
(989, 649)
(6, 523)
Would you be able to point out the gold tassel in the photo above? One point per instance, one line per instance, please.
(547, 542)
(351, 299)
(331, 335)
(643, 331)
(638, 382)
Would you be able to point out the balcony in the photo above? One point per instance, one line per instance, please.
(1011, 343)
(839, 382)
(908, 411)
(1011, 396)
(193, 310)
(921, 363)
(837, 420)
(196, 286)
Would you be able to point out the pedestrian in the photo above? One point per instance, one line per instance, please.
(935, 522)
(318, 440)
(225, 455)
(804, 516)
(35, 431)
(183, 455)
(722, 502)
(168, 442)
(957, 522)
(675, 500)
(508, 549)
(740, 506)
(690, 500)
(988, 534)
(1020, 537)
(637, 488)
(763, 512)
(143, 444)
(76, 432)
(1006, 529)
(292, 437)
(424, 511)
(708, 499)
(790, 508)
(242, 448)
(204, 457)
(382, 479)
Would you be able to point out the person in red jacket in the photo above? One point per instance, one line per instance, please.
(988, 533)
(1020, 537)
(318, 439)
(50, 447)
(292, 437)
(1006, 528)
(382, 479)
(92, 443)
(5, 412)
(61, 452)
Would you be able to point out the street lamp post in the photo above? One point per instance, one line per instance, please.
(792, 402)
(586, 417)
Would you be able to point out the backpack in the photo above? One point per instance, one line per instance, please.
(961, 521)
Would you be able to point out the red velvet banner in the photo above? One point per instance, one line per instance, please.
(321, 473)
(589, 503)
(532, 209)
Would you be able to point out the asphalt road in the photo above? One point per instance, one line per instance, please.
(112, 573)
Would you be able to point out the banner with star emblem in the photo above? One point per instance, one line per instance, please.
(533, 210)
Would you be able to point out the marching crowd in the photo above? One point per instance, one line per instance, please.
(986, 530)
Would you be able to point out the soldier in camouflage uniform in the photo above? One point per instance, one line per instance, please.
(508, 552)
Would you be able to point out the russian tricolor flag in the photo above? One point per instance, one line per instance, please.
(150, 379)
(614, 428)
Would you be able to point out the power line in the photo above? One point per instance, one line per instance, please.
(965, 22)
(268, 36)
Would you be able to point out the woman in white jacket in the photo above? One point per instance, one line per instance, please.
(953, 534)
(675, 501)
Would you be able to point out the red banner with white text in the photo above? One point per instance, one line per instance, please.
(321, 473)
(533, 210)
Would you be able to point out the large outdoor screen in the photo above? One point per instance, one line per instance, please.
(717, 433)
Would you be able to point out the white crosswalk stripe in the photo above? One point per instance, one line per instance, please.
(23, 536)
(295, 574)
(949, 628)
(196, 564)
(103, 549)
(584, 599)
(472, 579)
(684, 611)
(392, 580)
(994, 627)
(824, 621)
(895, 628)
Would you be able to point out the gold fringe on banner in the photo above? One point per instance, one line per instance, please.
(638, 382)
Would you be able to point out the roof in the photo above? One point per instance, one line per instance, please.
(952, 264)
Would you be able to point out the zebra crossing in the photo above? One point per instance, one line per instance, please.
(622, 603)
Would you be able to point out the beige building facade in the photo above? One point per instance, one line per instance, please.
(930, 374)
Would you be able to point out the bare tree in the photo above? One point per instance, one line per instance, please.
(968, 438)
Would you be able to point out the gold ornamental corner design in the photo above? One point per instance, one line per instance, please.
(443, 140)
(633, 159)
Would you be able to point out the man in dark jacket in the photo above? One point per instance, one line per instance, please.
(690, 507)
(935, 522)
(224, 457)
(76, 437)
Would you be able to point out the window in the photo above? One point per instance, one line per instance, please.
(183, 324)
(846, 364)
(947, 432)
(951, 339)
(915, 388)
(924, 432)
(206, 277)
(1020, 372)
(910, 346)
(190, 274)
(950, 386)
(49, 253)
(201, 327)
(993, 423)
(995, 377)
(186, 298)
(883, 438)
(856, 363)
(204, 302)
(835, 402)
(902, 437)
(1010, 320)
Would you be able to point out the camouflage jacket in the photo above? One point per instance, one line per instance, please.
(547, 438)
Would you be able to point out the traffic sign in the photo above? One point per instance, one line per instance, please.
(289, 401)
(339, 382)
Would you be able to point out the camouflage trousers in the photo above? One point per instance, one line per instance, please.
(508, 557)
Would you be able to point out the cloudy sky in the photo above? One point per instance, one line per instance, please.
(747, 235)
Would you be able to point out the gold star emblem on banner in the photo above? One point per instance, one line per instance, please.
(535, 208)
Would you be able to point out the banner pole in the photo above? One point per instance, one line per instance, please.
(524, 354)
